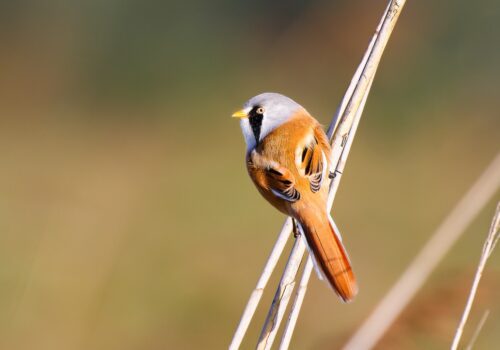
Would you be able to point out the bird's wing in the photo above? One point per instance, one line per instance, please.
(273, 176)
(312, 158)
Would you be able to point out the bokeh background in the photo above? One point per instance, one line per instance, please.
(127, 220)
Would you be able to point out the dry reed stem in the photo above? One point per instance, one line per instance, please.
(284, 291)
(427, 259)
(256, 295)
(306, 274)
(478, 330)
(488, 247)
(297, 304)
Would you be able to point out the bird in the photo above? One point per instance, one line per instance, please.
(288, 158)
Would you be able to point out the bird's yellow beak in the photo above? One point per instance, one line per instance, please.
(240, 114)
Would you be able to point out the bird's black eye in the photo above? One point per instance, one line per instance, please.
(260, 110)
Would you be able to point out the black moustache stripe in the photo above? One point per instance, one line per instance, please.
(256, 123)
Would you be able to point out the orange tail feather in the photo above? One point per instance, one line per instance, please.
(329, 253)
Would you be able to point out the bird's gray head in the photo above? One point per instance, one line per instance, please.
(262, 114)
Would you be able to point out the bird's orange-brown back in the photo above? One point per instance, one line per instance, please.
(281, 144)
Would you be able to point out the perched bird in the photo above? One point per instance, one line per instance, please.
(288, 159)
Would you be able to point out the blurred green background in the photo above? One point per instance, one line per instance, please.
(127, 219)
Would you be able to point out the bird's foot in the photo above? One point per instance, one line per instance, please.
(333, 174)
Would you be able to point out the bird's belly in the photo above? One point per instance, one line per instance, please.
(276, 202)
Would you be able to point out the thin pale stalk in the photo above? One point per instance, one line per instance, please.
(297, 304)
(339, 170)
(355, 79)
(487, 249)
(478, 330)
(256, 295)
(427, 259)
(370, 66)
(306, 274)
(493, 237)
(282, 296)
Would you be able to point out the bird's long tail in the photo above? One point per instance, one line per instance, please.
(329, 252)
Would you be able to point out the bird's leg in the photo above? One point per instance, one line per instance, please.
(295, 229)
